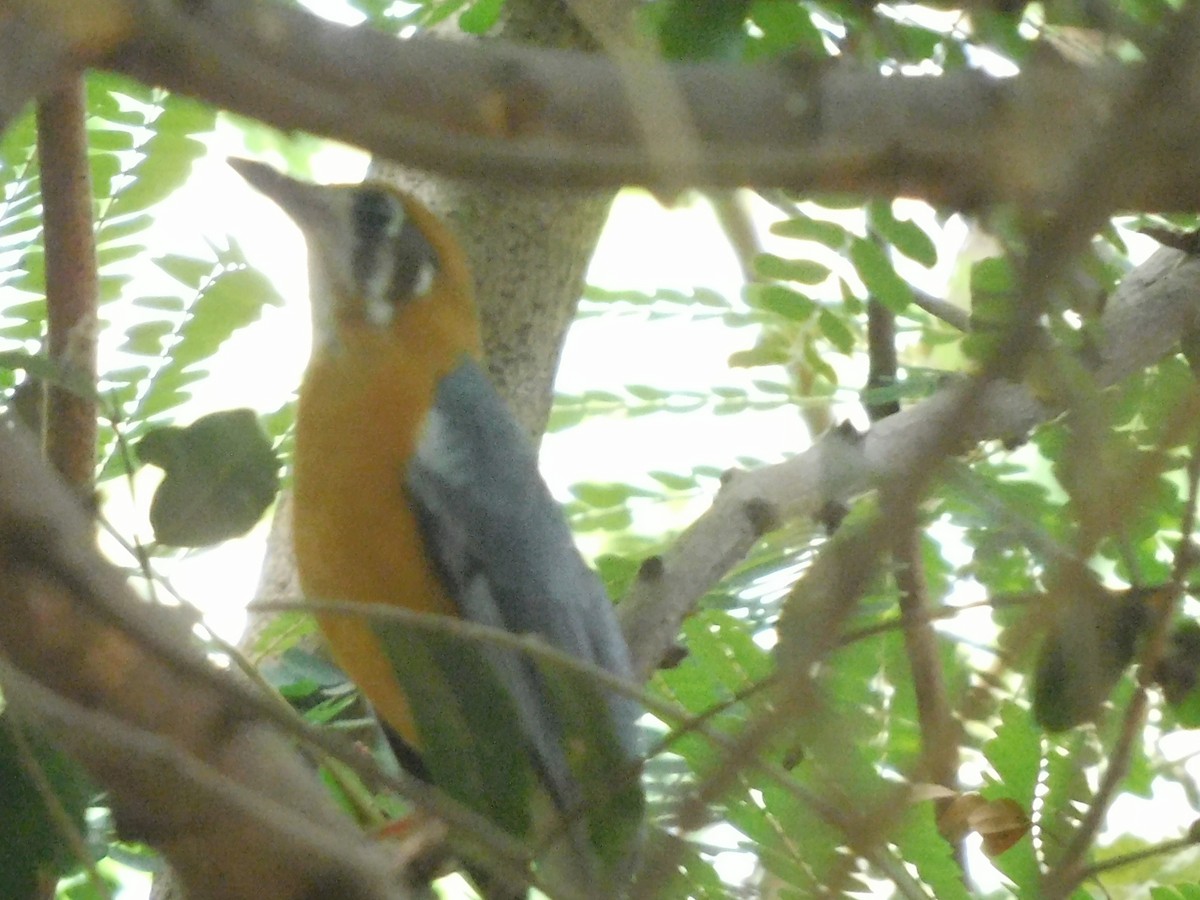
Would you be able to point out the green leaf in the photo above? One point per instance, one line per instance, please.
(480, 16)
(167, 156)
(879, 276)
(1015, 755)
(802, 847)
(830, 234)
(16, 225)
(376, 11)
(786, 27)
(907, 237)
(781, 300)
(105, 168)
(188, 271)
(992, 306)
(112, 285)
(147, 338)
(918, 43)
(439, 12)
(230, 300)
(803, 271)
(606, 494)
(674, 481)
(31, 276)
(297, 664)
(992, 276)
(109, 139)
(48, 370)
(123, 227)
(701, 29)
(220, 475)
(617, 572)
(648, 393)
(109, 254)
(725, 649)
(817, 362)
(836, 331)
(167, 303)
(34, 850)
(613, 803)
(921, 845)
(1176, 892)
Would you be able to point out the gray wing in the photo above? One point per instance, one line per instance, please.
(507, 556)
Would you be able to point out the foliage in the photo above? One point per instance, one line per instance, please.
(34, 848)
(219, 478)
(1044, 560)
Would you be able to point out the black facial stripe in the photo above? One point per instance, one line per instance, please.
(373, 215)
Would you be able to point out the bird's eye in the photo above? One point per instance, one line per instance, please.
(377, 214)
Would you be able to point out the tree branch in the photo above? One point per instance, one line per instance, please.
(954, 316)
(72, 288)
(939, 732)
(189, 770)
(1072, 867)
(536, 116)
(1142, 323)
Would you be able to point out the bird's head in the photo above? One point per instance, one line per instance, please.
(375, 254)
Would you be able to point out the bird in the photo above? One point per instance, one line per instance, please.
(414, 486)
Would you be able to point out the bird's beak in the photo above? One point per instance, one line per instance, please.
(323, 213)
(307, 204)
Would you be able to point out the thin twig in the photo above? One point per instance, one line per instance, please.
(939, 735)
(882, 359)
(950, 313)
(1137, 856)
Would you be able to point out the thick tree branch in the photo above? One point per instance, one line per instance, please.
(45, 43)
(536, 116)
(565, 118)
(223, 796)
(1142, 323)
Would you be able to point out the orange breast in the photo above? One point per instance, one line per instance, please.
(356, 538)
